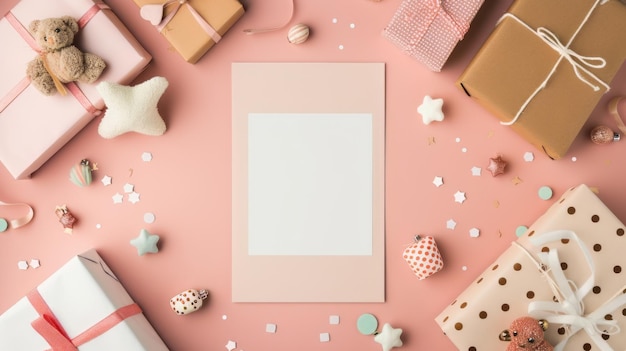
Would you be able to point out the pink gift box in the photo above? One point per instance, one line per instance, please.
(428, 30)
(33, 127)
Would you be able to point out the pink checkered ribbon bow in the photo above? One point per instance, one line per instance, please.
(434, 9)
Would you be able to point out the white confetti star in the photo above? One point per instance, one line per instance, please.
(431, 109)
(35, 263)
(23, 265)
(476, 171)
(438, 181)
(118, 198)
(146, 157)
(106, 180)
(389, 337)
(529, 156)
(128, 188)
(451, 224)
(474, 232)
(459, 197)
(133, 197)
(231, 345)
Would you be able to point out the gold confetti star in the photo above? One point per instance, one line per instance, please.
(517, 180)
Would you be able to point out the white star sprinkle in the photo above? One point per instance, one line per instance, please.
(146, 157)
(451, 224)
(128, 188)
(231, 345)
(431, 110)
(35, 263)
(459, 197)
(23, 265)
(529, 156)
(438, 181)
(474, 232)
(476, 171)
(133, 197)
(118, 198)
(106, 180)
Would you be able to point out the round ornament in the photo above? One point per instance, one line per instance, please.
(367, 324)
(80, 174)
(603, 135)
(298, 34)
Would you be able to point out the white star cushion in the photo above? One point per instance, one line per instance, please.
(389, 337)
(431, 110)
(132, 109)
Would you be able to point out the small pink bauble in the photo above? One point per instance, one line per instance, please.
(298, 34)
(603, 135)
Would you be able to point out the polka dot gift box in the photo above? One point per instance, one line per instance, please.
(568, 268)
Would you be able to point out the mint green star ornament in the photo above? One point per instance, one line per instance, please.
(145, 243)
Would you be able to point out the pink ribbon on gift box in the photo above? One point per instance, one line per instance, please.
(435, 9)
(149, 10)
(49, 327)
(24, 83)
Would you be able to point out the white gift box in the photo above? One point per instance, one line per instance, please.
(90, 305)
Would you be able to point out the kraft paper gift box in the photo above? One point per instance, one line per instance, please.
(81, 305)
(429, 30)
(33, 127)
(569, 268)
(546, 65)
(192, 27)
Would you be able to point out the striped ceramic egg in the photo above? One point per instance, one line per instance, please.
(80, 174)
(298, 34)
(188, 301)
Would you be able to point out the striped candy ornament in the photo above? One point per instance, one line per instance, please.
(423, 257)
(80, 174)
(298, 34)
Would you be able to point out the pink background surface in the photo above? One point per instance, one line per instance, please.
(187, 185)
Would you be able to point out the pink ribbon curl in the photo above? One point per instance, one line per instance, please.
(201, 21)
(48, 326)
(436, 9)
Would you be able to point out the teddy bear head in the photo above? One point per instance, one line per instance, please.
(526, 333)
(54, 33)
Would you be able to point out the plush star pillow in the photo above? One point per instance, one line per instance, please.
(132, 109)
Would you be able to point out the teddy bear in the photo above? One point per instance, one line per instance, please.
(59, 59)
(526, 334)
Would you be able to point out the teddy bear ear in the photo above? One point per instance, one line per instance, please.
(33, 26)
(543, 324)
(70, 22)
(505, 335)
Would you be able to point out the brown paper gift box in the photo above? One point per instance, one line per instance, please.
(514, 61)
(185, 34)
(518, 278)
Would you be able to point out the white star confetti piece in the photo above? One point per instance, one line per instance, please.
(324, 337)
(231, 345)
(451, 224)
(270, 328)
(118, 198)
(106, 180)
(35, 263)
(333, 319)
(149, 217)
(476, 171)
(146, 157)
(459, 197)
(23, 265)
(431, 110)
(133, 197)
(529, 156)
(128, 188)
(438, 181)
(474, 232)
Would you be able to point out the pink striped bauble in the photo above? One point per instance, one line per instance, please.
(298, 34)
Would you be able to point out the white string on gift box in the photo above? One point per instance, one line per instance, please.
(570, 309)
(21, 221)
(565, 53)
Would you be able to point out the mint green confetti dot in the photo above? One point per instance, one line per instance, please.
(545, 193)
(3, 225)
(367, 324)
(521, 230)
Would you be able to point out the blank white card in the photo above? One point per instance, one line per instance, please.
(310, 184)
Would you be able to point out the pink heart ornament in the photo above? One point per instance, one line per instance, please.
(152, 13)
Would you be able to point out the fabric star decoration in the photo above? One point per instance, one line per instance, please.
(389, 337)
(496, 165)
(431, 110)
(132, 109)
(145, 243)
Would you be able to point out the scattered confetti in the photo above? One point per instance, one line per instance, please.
(340, 47)
(130, 172)
(224, 317)
(476, 171)
(334, 20)
(270, 328)
(324, 337)
(98, 226)
(231, 345)
(145, 243)
(431, 110)
(450, 224)
(459, 197)
(438, 181)
(517, 180)
(519, 231)
(146, 157)
(474, 233)
(128, 188)
(458, 140)
(496, 165)
(149, 217)
(106, 180)
(35, 263)
(431, 140)
(529, 156)
(334, 319)
(118, 198)
(545, 193)
(496, 203)
(352, 25)
(490, 134)
(464, 268)
(464, 149)
(133, 197)
(23, 265)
